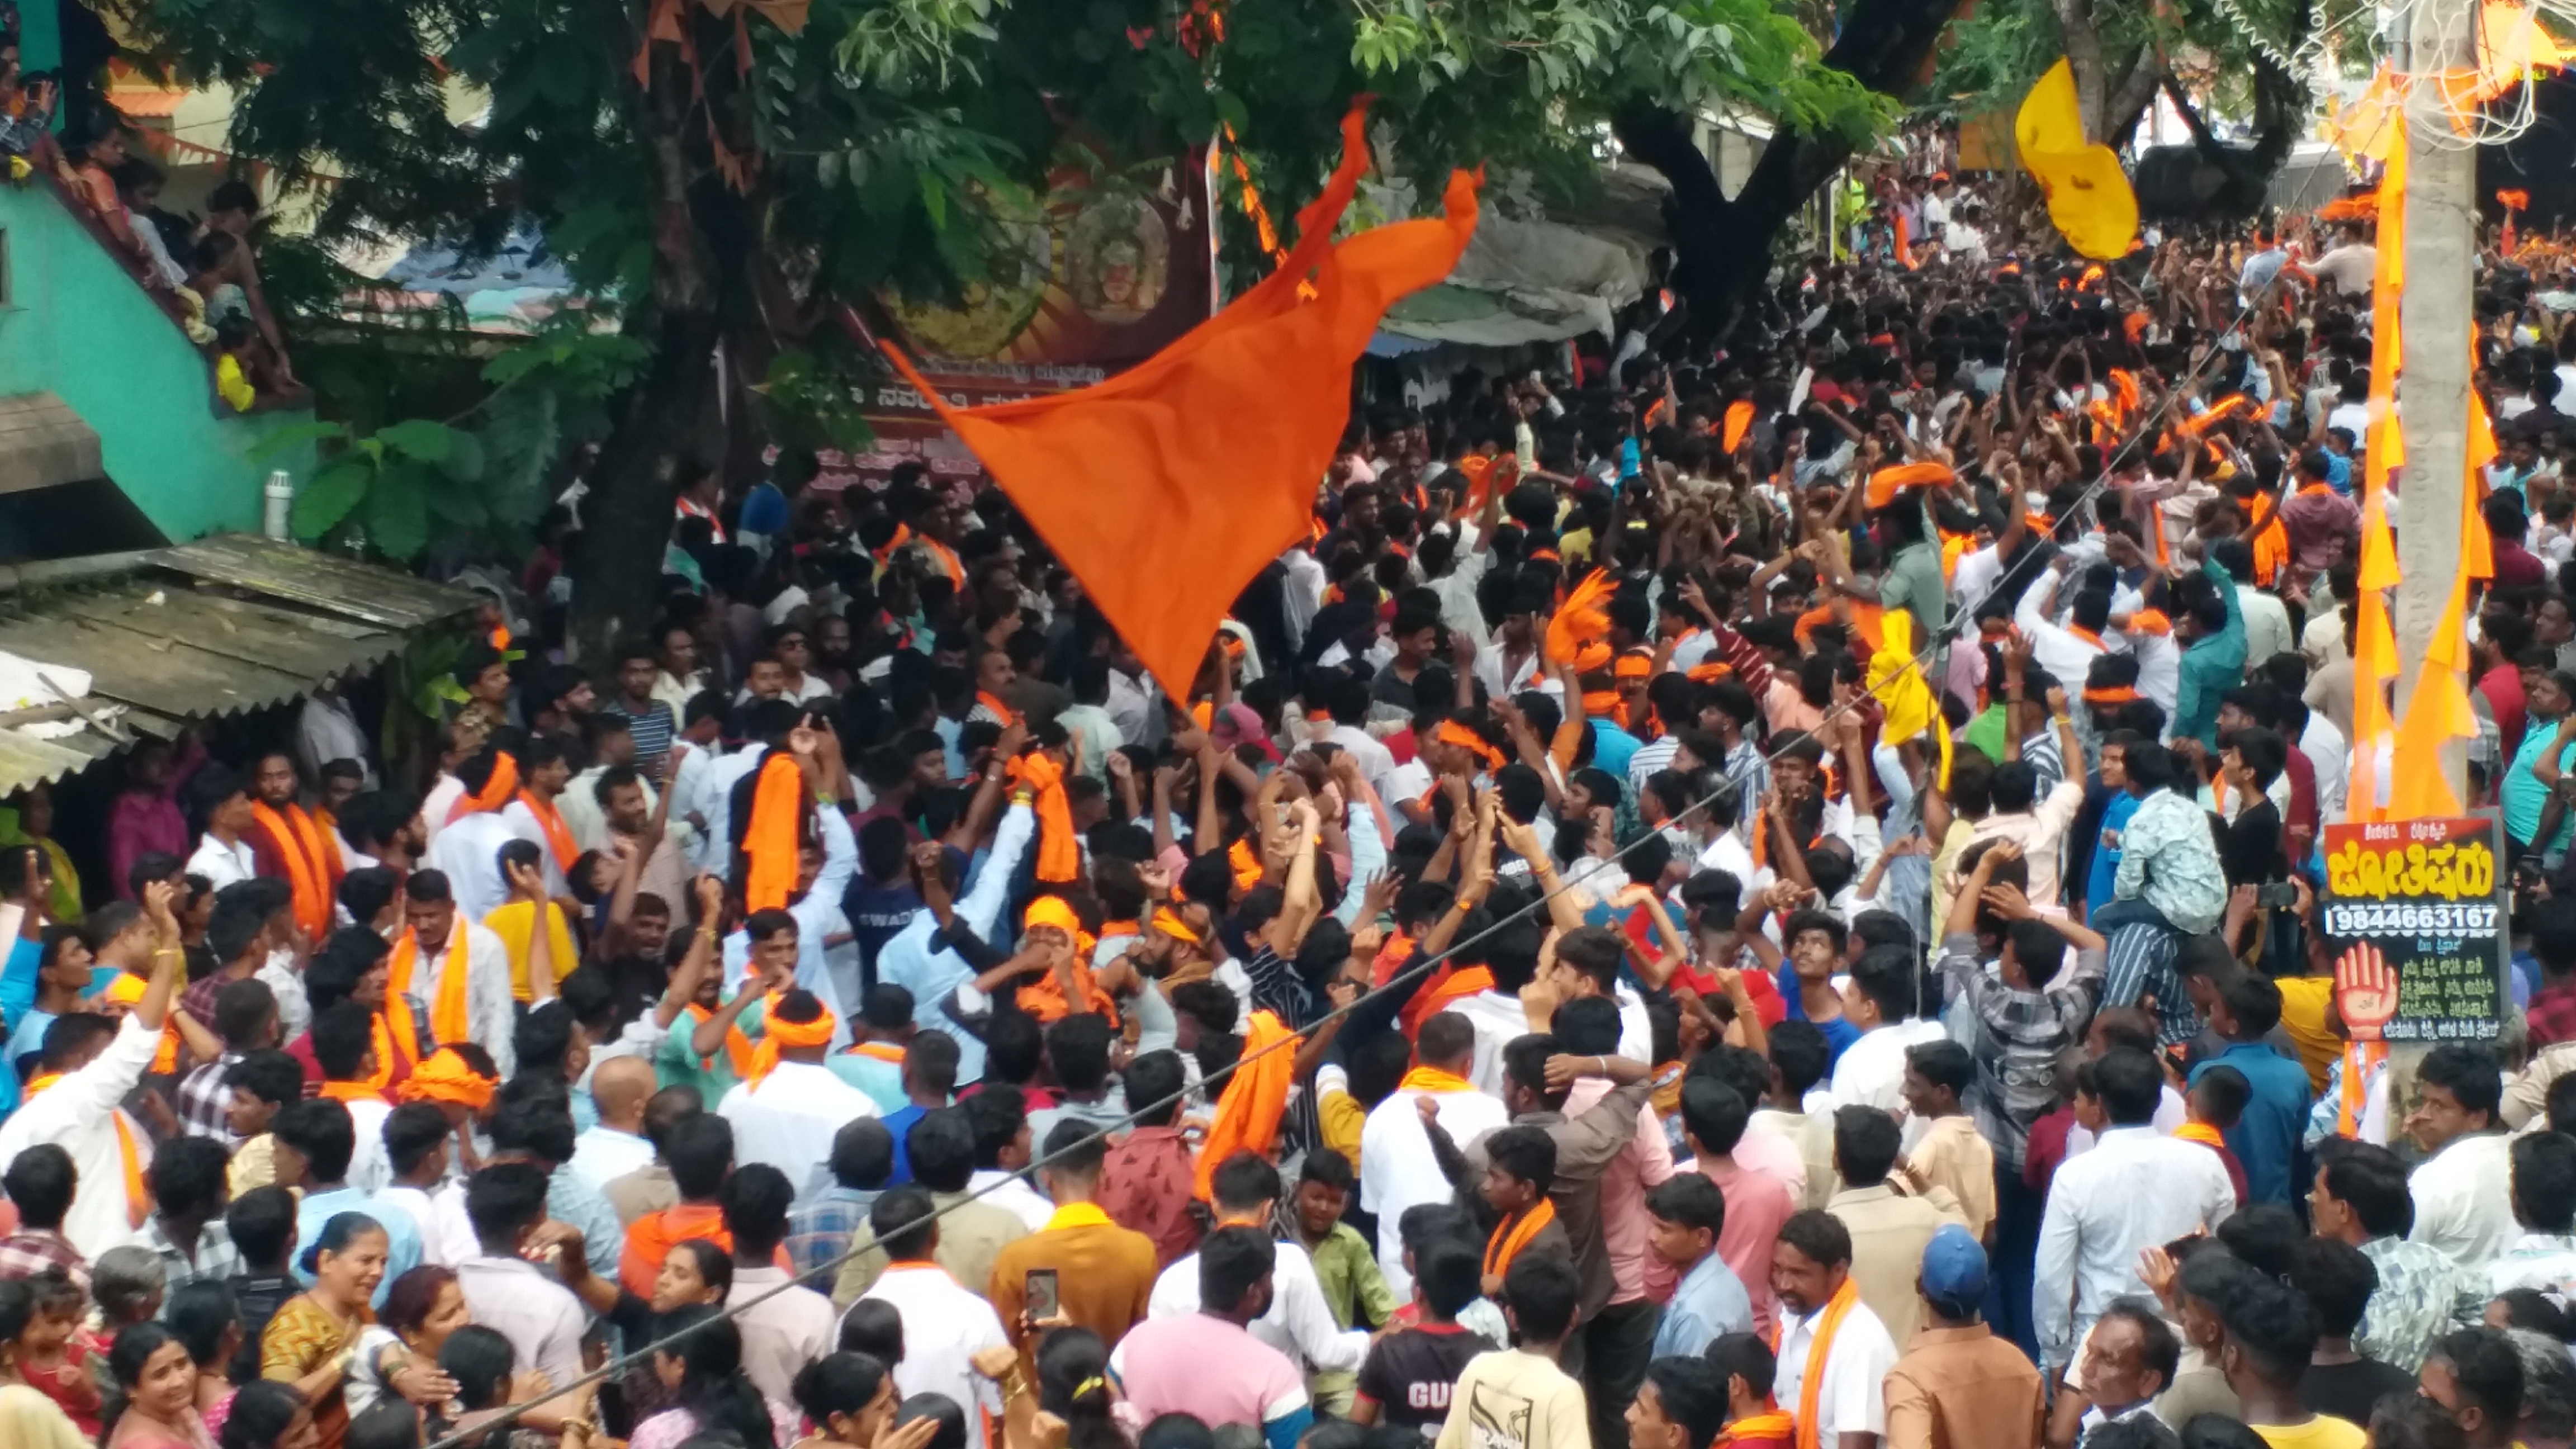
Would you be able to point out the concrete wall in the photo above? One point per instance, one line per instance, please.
(74, 323)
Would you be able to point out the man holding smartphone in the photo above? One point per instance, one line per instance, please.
(1097, 1274)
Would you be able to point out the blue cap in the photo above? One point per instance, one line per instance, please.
(1954, 1271)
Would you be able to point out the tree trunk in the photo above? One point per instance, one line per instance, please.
(665, 431)
(1722, 248)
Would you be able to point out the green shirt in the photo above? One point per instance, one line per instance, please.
(1354, 1288)
(1913, 583)
(677, 1066)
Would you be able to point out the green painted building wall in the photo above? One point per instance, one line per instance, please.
(75, 324)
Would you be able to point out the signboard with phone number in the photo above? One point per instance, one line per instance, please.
(2415, 920)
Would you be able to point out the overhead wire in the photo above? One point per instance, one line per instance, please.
(1403, 979)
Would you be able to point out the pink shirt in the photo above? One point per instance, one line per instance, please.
(1756, 1205)
(1774, 1156)
(1646, 1161)
(1206, 1367)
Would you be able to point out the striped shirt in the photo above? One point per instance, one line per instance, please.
(652, 730)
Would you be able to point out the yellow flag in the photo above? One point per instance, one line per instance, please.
(2088, 194)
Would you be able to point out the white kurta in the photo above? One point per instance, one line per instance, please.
(78, 1114)
(790, 1119)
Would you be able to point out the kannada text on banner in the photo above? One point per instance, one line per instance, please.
(2421, 897)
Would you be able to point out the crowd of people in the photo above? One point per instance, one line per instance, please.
(204, 271)
(1766, 895)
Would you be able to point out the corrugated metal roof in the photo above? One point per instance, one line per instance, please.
(206, 629)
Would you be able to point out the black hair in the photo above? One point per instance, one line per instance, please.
(905, 1222)
(1818, 1236)
(1693, 1393)
(1231, 1260)
(1866, 1145)
(2469, 1071)
(480, 1360)
(2370, 1180)
(712, 1386)
(188, 1175)
(1744, 1356)
(338, 1233)
(1448, 1272)
(503, 1199)
(2484, 1369)
(262, 1225)
(2159, 1348)
(263, 1408)
(1244, 1181)
(700, 1153)
(1800, 1053)
(1690, 1199)
(756, 1200)
(940, 1146)
(1542, 1291)
(1713, 1113)
(1526, 1153)
(1942, 1063)
(2131, 1085)
(322, 1130)
(2337, 1279)
(862, 1154)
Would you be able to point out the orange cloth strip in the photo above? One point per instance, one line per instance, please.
(308, 869)
(1820, 1350)
(777, 1035)
(738, 1048)
(138, 1191)
(559, 841)
(772, 841)
(1059, 854)
(443, 1076)
(397, 1041)
(1739, 421)
(1459, 736)
(1255, 1098)
(1510, 1238)
(1886, 483)
(495, 793)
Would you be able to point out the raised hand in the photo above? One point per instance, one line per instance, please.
(2365, 991)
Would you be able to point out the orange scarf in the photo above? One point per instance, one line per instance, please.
(1002, 713)
(949, 563)
(880, 1051)
(495, 791)
(401, 964)
(559, 840)
(128, 988)
(308, 870)
(776, 1034)
(1059, 857)
(1446, 985)
(1510, 1238)
(397, 1041)
(1246, 863)
(448, 1018)
(349, 1092)
(1811, 1385)
(1432, 1079)
(1754, 1428)
(138, 1192)
(2358, 1060)
(1247, 1114)
(1045, 1000)
(772, 842)
(2202, 1133)
(738, 1047)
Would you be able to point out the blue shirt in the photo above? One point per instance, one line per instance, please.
(934, 976)
(900, 1123)
(1612, 747)
(1839, 1032)
(1709, 1301)
(2106, 859)
(402, 1239)
(2266, 1138)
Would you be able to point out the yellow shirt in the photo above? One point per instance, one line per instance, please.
(234, 387)
(2305, 1001)
(2322, 1432)
(510, 923)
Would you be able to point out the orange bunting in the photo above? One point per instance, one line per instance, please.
(1257, 395)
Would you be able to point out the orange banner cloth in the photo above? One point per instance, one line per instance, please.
(1206, 455)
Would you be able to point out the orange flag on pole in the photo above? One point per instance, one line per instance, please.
(1166, 488)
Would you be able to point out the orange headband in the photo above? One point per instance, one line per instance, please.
(444, 1077)
(1601, 701)
(1591, 657)
(1169, 922)
(496, 792)
(777, 1033)
(2121, 695)
(1453, 733)
(1633, 666)
(1051, 911)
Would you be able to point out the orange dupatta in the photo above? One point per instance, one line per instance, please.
(1446, 985)
(503, 783)
(349, 1092)
(1059, 857)
(738, 1048)
(559, 841)
(1510, 1238)
(2202, 1133)
(397, 1037)
(1811, 1384)
(448, 1017)
(1248, 1112)
(138, 1192)
(308, 870)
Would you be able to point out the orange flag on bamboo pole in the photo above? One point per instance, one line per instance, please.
(1166, 488)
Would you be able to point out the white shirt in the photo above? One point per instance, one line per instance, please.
(540, 1317)
(370, 1169)
(423, 1208)
(2463, 1200)
(603, 1153)
(816, 913)
(468, 853)
(2327, 750)
(442, 797)
(1871, 1071)
(222, 864)
(1014, 1196)
(2267, 626)
(524, 824)
(1298, 1322)
(790, 1119)
(2136, 1189)
(1499, 1021)
(326, 730)
(1397, 1170)
(491, 1010)
(76, 1114)
(1854, 1398)
(785, 1333)
(944, 1327)
(713, 804)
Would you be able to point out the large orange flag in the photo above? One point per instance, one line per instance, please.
(1166, 488)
